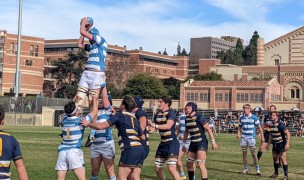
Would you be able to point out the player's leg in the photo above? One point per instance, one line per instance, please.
(190, 164)
(283, 157)
(244, 147)
(171, 164)
(80, 173)
(135, 175)
(108, 156)
(124, 172)
(95, 164)
(159, 164)
(109, 167)
(201, 162)
(275, 156)
(180, 166)
(75, 161)
(61, 166)
(61, 175)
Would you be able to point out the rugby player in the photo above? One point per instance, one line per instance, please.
(93, 77)
(246, 131)
(130, 134)
(196, 125)
(168, 149)
(10, 150)
(279, 137)
(70, 155)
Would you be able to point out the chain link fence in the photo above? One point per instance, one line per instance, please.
(29, 105)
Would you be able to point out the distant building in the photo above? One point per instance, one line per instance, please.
(230, 94)
(161, 66)
(207, 47)
(31, 63)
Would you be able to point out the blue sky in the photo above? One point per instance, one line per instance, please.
(155, 24)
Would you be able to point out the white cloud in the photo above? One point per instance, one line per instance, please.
(152, 25)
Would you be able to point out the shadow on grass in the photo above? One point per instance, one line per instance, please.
(239, 173)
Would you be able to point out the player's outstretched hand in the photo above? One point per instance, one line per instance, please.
(85, 122)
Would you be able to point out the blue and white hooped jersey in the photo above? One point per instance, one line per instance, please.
(72, 132)
(182, 124)
(248, 125)
(105, 134)
(97, 53)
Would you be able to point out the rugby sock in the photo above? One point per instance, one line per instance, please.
(182, 174)
(257, 167)
(246, 167)
(204, 178)
(285, 168)
(94, 177)
(113, 178)
(276, 168)
(191, 175)
(260, 153)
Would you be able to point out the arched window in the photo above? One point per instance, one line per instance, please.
(297, 93)
(292, 93)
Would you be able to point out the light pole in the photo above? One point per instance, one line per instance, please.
(18, 73)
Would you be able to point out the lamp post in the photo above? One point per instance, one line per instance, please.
(17, 85)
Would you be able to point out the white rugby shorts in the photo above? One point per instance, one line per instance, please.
(105, 150)
(92, 80)
(70, 159)
(247, 142)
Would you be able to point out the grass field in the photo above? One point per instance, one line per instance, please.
(39, 148)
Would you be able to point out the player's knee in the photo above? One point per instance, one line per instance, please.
(159, 165)
(252, 149)
(93, 92)
(190, 162)
(201, 163)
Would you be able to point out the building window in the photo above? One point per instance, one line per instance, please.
(227, 97)
(218, 97)
(36, 50)
(297, 93)
(204, 97)
(31, 50)
(276, 62)
(242, 97)
(188, 97)
(28, 62)
(292, 93)
(12, 48)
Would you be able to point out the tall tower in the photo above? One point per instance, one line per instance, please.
(260, 51)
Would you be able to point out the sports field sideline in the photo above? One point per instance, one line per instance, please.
(39, 147)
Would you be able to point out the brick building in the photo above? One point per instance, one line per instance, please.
(281, 58)
(118, 58)
(31, 63)
(230, 94)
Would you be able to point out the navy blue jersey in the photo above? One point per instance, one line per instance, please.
(139, 114)
(128, 129)
(162, 118)
(9, 150)
(277, 132)
(195, 126)
(267, 122)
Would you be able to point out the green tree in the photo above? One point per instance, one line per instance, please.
(250, 52)
(211, 76)
(159, 52)
(114, 91)
(178, 50)
(68, 73)
(145, 86)
(165, 52)
(173, 87)
(184, 52)
(262, 77)
(232, 56)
